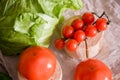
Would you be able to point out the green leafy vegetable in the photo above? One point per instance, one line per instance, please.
(25, 23)
(57, 7)
(28, 29)
(4, 76)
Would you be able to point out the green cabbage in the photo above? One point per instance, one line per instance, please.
(25, 23)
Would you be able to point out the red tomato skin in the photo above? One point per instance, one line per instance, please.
(59, 43)
(90, 31)
(92, 69)
(68, 31)
(101, 24)
(78, 24)
(71, 45)
(79, 36)
(88, 18)
(37, 63)
(101, 20)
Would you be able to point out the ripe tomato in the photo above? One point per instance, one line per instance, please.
(68, 31)
(71, 45)
(101, 24)
(92, 69)
(59, 43)
(78, 24)
(90, 31)
(88, 18)
(79, 35)
(101, 20)
(37, 63)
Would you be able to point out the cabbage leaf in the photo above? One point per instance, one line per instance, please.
(25, 23)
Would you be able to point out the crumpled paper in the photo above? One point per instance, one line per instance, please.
(109, 54)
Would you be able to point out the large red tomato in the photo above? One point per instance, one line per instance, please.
(37, 63)
(92, 69)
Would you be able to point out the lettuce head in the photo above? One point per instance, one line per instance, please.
(25, 23)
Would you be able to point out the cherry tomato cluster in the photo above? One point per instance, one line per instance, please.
(79, 30)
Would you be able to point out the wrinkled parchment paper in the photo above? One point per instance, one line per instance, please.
(109, 54)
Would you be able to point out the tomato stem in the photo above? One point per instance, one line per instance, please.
(108, 22)
(86, 46)
(98, 15)
(102, 14)
(95, 14)
(107, 19)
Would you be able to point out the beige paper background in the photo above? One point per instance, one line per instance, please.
(109, 54)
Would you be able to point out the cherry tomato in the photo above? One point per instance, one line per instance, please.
(68, 31)
(79, 35)
(88, 18)
(90, 31)
(101, 24)
(92, 69)
(37, 63)
(78, 24)
(59, 43)
(71, 45)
